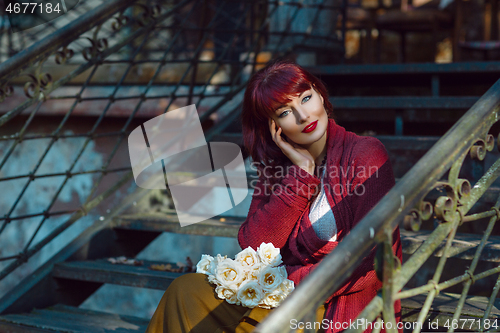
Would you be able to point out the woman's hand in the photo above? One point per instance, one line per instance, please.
(297, 154)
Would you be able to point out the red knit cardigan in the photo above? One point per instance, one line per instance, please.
(358, 175)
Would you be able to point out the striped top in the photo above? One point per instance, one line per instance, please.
(321, 216)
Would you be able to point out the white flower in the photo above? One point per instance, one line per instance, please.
(228, 294)
(229, 273)
(287, 286)
(283, 272)
(270, 278)
(253, 278)
(248, 258)
(213, 280)
(204, 266)
(220, 258)
(253, 273)
(272, 299)
(269, 255)
(250, 294)
(217, 260)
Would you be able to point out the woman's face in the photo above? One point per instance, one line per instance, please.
(304, 119)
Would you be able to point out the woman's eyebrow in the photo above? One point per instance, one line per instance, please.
(305, 91)
(285, 106)
(280, 107)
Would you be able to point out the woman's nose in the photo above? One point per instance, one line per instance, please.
(302, 114)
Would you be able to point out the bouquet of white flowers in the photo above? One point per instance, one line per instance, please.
(253, 278)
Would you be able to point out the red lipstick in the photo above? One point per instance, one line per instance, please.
(311, 127)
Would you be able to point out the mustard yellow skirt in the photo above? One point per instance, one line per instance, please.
(191, 305)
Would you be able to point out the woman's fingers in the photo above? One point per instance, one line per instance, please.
(276, 135)
(285, 147)
(297, 154)
(282, 144)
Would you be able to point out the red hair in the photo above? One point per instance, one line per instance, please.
(268, 89)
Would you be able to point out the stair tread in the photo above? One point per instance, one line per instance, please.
(404, 102)
(168, 222)
(62, 318)
(401, 69)
(62, 308)
(103, 271)
(474, 306)
(463, 246)
(481, 45)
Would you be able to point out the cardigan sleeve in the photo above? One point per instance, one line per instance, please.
(363, 277)
(371, 180)
(275, 210)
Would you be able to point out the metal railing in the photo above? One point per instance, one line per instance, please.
(158, 55)
(408, 204)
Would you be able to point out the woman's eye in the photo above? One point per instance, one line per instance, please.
(305, 99)
(284, 113)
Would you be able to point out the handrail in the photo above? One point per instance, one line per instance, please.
(376, 226)
(45, 47)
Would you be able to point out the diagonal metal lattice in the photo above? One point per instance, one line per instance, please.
(125, 61)
(12, 43)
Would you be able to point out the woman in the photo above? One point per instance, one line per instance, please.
(316, 181)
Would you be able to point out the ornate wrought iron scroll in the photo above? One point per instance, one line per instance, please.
(12, 43)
